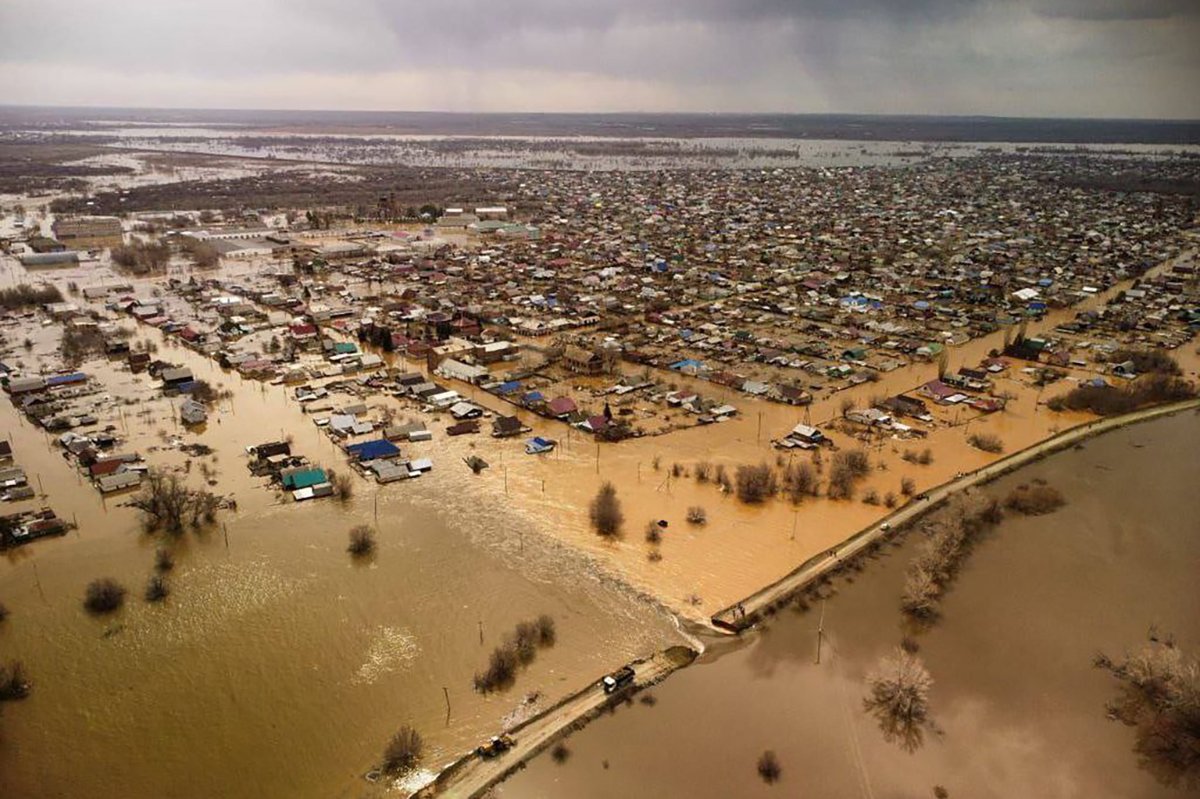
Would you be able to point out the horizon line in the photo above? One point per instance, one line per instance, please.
(882, 115)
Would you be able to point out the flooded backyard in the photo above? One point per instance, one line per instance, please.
(1019, 707)
(278, 666)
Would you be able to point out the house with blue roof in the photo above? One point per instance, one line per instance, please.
(373, 450)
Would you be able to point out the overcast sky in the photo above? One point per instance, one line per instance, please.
(1097, 58)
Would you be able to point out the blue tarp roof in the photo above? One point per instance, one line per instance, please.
(509, 387)
(685, 363)
(534, 396)
(370, 450)
(62, 380)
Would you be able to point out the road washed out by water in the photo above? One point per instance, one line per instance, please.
(1018, 707)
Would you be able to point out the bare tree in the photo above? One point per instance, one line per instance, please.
(1034, 499)
(800, 480)
(1160, 698)
(156, 589)
(986, 442)
(362, 541)
(769, 768)
(605, 511)
(343, 484)
(848, 467)
(898, 697)
(755, 483)
(168, 504)
(14, 682)
(403, 751)
(104, 596)
(921, 593)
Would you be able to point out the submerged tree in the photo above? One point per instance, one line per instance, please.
(755, 483)
(362, 541)
(156, 589)
(14, 682)
(898, 697)
(1160, 697)
(104, 596)
(605, 511)
(769, 768)
(403, 751)
(168, 504)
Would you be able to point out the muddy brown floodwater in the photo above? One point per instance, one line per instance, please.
(1020, 707)
(277, 667)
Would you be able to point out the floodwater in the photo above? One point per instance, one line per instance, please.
(742, 547)
(277, 666)
(1019, 706)
(298, 664)
(574, 152)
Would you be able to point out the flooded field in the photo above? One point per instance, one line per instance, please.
(278, 666)
(649, 152)
(1021, 710)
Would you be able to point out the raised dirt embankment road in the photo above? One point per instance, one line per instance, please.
(471, 775)
(744, 614)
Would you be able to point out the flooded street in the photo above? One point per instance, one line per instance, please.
(1019, 705)
(278, 666)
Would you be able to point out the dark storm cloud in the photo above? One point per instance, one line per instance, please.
(1093, 57)
(1118, 10)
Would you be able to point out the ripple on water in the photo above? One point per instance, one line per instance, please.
(389, 647)
(217, 594)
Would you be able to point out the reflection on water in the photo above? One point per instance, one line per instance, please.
(1019, 705)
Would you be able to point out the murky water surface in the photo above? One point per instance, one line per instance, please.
(1020, 707)
(277, 667)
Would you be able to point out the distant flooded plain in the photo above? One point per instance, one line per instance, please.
(1020, 708)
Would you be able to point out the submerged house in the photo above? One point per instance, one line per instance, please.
(193, 412)
(506, 426)
(304, 477)
(378, 449)
(581, 361)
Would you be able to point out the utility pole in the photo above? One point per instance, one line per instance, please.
(820, 631)
(38, 581)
